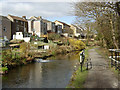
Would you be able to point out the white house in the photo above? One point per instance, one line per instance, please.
(19, 36)
(37, 26)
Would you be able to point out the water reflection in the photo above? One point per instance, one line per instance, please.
(54, 74)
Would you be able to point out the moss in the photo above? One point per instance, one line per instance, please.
(4, 69)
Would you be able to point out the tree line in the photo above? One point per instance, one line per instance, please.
(106, 20)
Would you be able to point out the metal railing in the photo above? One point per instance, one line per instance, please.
(115, 58)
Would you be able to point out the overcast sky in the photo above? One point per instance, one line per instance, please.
(50, 10)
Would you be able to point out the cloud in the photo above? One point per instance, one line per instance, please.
(42, 0)
(44, 9)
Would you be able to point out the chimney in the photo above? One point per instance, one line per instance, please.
(24, 17)
(39, 17)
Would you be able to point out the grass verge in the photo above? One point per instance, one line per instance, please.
(78, 78)
(105, 53)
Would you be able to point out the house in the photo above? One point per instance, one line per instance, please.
(18, 24)
(76, 31)
(20, 36)
(65, 28)
(50, 25)
(37, 26)
(5, 28)
(58, 29)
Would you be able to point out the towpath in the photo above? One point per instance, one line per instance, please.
(100, 76)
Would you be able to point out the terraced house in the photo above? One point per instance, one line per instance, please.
(5, 28)
(50, 26)
(76, 31)
(58, 29)
(18, 24)
(66, 31)
(37, 26)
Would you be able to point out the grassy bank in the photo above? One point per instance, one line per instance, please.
(26, 52)
(78, 78)
(105, 53)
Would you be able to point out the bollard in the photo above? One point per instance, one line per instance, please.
(111, 58)
(115, 61)
(81, 66)
(90, 63)
(119, 62)
(87, 65)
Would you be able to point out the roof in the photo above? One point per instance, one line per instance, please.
(12, 45)
(63, 23)
(77, 27)
(35, 18)
(17, 18)
(74, 25)
(45, 20)
(3, 17)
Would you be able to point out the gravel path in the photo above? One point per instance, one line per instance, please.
(100, 76)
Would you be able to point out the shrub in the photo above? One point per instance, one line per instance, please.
(24, 49)
(4, 69)
(77, 44)
(53, 36)
(6, 57)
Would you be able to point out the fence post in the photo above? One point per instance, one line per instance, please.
(87, 65)
(81, 66)
(115, 60)
(118, 61)
(111, 58)
(80, 61)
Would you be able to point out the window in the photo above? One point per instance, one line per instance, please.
(0, 22)
(24, 29)
(53, 25)
(16, 21)
(17, 29)
(44, 24)
(4, 29)
(21, 22)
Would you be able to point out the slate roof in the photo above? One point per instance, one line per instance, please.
(18, 18)
(63, 23)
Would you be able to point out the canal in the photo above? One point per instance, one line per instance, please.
(55, 73)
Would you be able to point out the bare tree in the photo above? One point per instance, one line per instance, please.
(106, 16)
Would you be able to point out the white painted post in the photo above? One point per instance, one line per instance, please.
(80, 58)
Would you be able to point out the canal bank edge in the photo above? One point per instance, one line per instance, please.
(67, 49)
(78, 78)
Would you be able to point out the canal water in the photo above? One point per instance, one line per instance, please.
(53, 74)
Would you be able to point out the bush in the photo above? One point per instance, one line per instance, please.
(53, 36)
(24, 49)
(77, 44)
(4, 69)
(6, 57)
